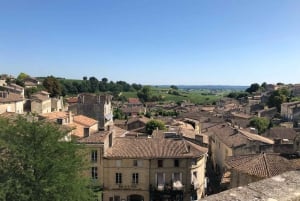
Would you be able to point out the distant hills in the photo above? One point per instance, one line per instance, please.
(208, 87)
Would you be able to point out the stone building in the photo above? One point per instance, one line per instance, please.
(156, 168)
(40, 102)
(11, 102)
(246, 169)
(95, 106)
(290, 111)
(227, 141)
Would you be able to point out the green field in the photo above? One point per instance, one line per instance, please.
(202, 97)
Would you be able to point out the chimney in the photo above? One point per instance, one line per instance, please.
(70, 117)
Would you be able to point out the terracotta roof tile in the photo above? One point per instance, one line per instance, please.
(261, 165)
(11, 97)
(233, 137)
(119, 132)
(153, 148)
(54, 115)
(84, 120)
(141, 119)
(72, 100)
(281, 133)
(134, 101)
(96, 138)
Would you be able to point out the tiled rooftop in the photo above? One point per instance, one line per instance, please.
(154, 148)
(11, 97)
(84, 120)
(134, 101)
(281, 133)
(261, 165)
(55, 115)
(234, 137)
(96, 138)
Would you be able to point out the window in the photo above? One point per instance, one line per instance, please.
(159, 163)
(94, 155)
(94, 173)
(118, 178)
(118, 163)
(135, 178)
(137, 163)
(176, 176)
(160, 178)
(194, 179)
(176, 163)
(110, 140)
(86, 132)
(60, 121)
(117, 198)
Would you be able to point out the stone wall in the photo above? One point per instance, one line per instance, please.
(284, 187)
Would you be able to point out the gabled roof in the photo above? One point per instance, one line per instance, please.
(54, 115)
(72, 100)
(84, 120)
(234, 137)
(154, 148)
(11, 97)
(141, 119)
(134, 101)
(96, 138)
(260, 165)
(281, 133)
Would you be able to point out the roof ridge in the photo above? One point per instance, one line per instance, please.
(266, 164)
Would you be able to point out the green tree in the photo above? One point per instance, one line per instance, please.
(118, 114)
(22, 76)
(253, 88)
(154, 124)
(264, 85)
(37, 165)
(174, 87)
(53, 86)
(145, 94)
(260, 123)
(94, 84)
(278, 97)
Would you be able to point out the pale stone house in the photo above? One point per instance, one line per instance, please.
(155, 168)
(10, 102)
(290, 111)
(79, 125)
(95, 106)
(30, 82)
(250, 168)
(227, 141)
(40, 103)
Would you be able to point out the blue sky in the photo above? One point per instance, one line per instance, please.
(232, 42)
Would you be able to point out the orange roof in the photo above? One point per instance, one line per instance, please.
(84, 120)
(134, 101)
(72, 100)
(55, 115)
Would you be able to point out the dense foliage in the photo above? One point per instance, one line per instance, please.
(253, 88)
(154, 124)
(260, 123)
(37, 165)
(278, 97)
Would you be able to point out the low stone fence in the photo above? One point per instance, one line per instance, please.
(284, 187)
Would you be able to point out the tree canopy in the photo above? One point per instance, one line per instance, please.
(253, 88)
(36, 164)
(53, 86)
(260, 123)
(154, 124)
(278, 97)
